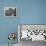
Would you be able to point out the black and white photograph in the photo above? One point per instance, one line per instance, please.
(31, 34)
(9, 11)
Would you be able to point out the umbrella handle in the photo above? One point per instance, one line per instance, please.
(8, 43)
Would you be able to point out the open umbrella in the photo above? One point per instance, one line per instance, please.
(12, 37)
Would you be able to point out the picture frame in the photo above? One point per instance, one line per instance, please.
(10, 11)
(39, 28)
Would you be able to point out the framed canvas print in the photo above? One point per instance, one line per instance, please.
(10, 11)
(32, 32)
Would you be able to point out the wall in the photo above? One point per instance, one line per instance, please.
(7, 24)
(33, 12)
(28, 12)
